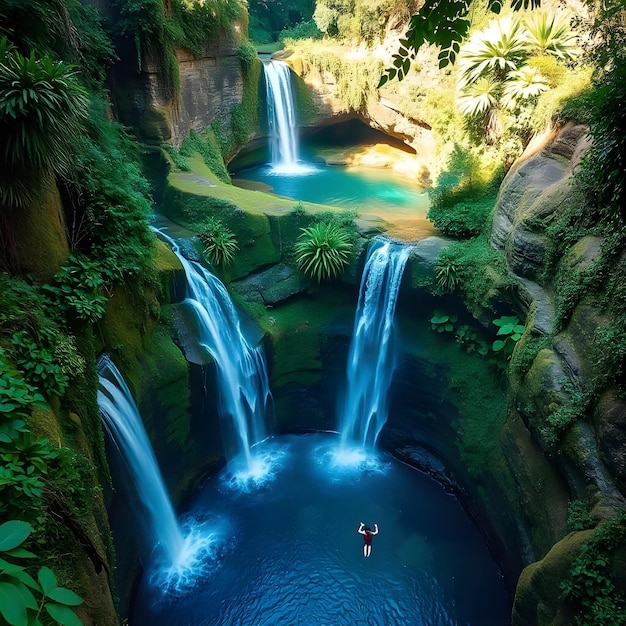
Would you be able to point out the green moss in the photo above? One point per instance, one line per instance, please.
(166, 375)
(155, 124)
(245, 116)
(296, 330)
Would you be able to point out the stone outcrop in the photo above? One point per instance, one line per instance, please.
(209, 87)
(547, 395)
(531, 195)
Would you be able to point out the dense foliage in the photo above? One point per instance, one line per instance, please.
(24, 598)
(591, 586)
(268, 20)
(42, 106)
(361, 20)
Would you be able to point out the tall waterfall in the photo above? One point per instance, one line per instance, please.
(372, 358)
(243, 383)
(282, 117)
(122, 420)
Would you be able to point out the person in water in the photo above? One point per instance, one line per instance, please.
(367, 533)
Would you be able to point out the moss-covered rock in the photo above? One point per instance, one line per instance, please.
(34, 238)
(538, 597)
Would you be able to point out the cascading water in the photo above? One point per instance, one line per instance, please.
(245, 397)
(372, 358)
(123, 422)
(184, 554)
(282, 119)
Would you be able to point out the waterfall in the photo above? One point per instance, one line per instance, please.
(281, 117)
(123, 422)
(372, 358)
(242, 374)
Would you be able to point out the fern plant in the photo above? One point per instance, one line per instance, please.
(220, 244)
(322, 250)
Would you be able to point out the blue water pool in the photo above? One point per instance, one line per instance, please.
(286, 550)
(360, 189)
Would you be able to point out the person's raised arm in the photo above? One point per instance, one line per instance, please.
(361, 528)
(375, 529)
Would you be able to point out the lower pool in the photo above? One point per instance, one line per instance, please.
(285, 548)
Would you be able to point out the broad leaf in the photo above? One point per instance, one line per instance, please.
(62, 614)
(12, 605)
(47, 580)
(13, 533)
(497, 345)
(65, 596)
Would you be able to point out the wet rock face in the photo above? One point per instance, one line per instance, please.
(531, 196)
(610, 422)
(209, 87)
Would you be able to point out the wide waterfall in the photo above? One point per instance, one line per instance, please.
(372, 358)
(245, 398)
(282, 118)
(123, 422)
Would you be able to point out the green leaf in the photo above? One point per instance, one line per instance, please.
(498, 345)
(47, 580)
(519, 329)
(62, 614)
(507, 329)
(12, 605)
(65, 596)
(20, 553)
(13, 533)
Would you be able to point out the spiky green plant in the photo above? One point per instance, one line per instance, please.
(42, 107)
(522, 84)
(495, 50)
(477, 98)
(220, 244)
(322, 250)
(551, 34)
(448, 275)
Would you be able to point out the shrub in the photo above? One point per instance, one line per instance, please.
(322, 250)
(590, 586)
(42, 107)
(220, 244)
(24, 598)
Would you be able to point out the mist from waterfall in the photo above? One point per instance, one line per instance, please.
(245, 399)
(372, 356)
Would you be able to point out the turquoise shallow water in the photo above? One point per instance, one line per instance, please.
(363, 190)
(286, 550)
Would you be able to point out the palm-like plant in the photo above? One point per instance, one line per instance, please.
(497, 49)
(550, 33)
(523, 84)
(42, 107)
(477, 98)
(322, 250)
(220, 244)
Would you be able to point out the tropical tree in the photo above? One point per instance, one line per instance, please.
(496, 50)
(42, 107)
(523, 84)
(551, 34)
